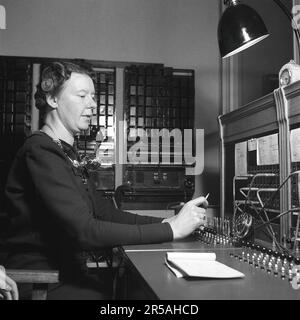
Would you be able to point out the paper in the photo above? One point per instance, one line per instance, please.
(241, 159)
(252, 145)
(295, 145)
(267, 150)
(203, 265)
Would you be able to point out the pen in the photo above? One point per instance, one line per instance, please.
(202, 227)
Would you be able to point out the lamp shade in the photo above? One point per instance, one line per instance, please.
(239, 28)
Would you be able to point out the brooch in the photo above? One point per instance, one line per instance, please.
(87, 163)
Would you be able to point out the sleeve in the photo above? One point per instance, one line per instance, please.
(54, 184)
(105, 210)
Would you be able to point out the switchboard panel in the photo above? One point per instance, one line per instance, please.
(159, 108)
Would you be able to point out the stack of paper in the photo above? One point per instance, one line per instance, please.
(196, 264)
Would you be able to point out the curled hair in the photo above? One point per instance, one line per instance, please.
(53, 77)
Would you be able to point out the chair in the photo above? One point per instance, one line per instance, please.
(40, 279)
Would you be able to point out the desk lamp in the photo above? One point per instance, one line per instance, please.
(240, 27)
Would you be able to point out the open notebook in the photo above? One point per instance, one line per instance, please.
(196, 264)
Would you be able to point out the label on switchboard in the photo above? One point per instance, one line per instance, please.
(241, 159)
(252, 145)
(267, 150)
(295, 145)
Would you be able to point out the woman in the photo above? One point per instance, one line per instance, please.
(56, 215)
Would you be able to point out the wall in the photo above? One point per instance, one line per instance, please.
(177, 33)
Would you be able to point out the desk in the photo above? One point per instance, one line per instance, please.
(147, 270)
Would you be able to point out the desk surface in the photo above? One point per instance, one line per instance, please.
(148, 261)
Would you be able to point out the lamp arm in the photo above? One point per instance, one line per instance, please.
(291, 19)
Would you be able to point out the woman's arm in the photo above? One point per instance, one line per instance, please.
(105, 210)
(54, 185)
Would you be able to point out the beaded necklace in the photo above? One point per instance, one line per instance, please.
(84, 165)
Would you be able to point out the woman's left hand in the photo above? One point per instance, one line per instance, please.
(8, 287)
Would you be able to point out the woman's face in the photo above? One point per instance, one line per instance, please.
(75, 102)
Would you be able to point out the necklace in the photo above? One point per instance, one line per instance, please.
(87, 163)
(55, 139)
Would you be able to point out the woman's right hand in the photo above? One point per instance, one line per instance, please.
(189, 218)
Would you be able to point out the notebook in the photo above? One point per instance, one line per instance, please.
(198, 264)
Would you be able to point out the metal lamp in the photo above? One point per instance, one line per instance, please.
(240, 27)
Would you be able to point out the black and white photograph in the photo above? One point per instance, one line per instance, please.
(150, 153)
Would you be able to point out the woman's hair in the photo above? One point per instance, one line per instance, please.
(53, 77)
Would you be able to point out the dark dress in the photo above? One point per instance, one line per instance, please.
(57, 217)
